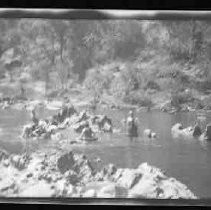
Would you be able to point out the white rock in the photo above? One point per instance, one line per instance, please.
(129, 178)
(89, 193)
(108, 191)
(40, 189)
(146, 188)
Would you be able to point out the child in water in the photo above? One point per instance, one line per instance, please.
(132, 127)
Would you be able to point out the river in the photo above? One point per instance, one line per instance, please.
(187, 160)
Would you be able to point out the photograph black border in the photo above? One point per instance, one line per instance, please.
(51, 13)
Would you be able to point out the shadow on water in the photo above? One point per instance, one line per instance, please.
(188, 160)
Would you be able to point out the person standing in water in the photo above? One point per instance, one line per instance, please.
(33, 116)
(87, 134)
(132, 127)
(22, 90)
(197, 131)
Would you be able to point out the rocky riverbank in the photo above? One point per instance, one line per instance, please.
(55, 173)
(83, 99)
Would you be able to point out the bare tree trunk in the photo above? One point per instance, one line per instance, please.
(53, 54)
(61, 47)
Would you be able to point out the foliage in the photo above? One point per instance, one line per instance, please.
(97, 81)
(157, 55)
(178, 98)
(138, 97)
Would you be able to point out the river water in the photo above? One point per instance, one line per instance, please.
(188, 160)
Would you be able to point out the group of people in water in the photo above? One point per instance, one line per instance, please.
(45, 127)
(87, 134)
(86, 129)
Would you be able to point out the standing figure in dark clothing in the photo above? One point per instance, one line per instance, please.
(132, 127)
(22, 91)
(197, 129)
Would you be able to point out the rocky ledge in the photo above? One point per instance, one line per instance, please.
(69, 174)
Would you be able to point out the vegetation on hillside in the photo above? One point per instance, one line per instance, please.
(138, 62)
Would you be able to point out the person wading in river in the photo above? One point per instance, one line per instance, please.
(33, 116)
(30, 128)
(87, 134)
(132, 127)
(197, 131)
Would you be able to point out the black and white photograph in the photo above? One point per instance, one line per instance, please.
(105, 108)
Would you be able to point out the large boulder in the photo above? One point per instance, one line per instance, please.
(83, 116)
(145, 188)
(41, 189)
(107, 191)
(166, 107)
(78, 127)
(65, 162)
(20, 161)
(3, 155)
(177, 130)
(155, 184)
(129, 178)
(207, 134)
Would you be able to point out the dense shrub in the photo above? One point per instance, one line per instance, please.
(178, 98)
(138, 98)
(97, 81)
(152, 85)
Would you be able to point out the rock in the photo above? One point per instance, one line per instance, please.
(72, 177)
(7, 184)
(97, 160)
(104, 123)
(66, 162)
(149, 133)
(165, 107)
(207, 134)
(109, 170)
(41, 189)
(78, 127)
(61, 187)
(107, 173)
(90, 194)
(82, 117)
(154, 184)
(6, 163)
(177, 130)
(45, 176)
(57, 136)
(145, 188)
(3, 155)
(20, 162)
(129, 178)
(108, 191)
(70, 190)
(153, 135)
(29, 175)
(172, 189)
